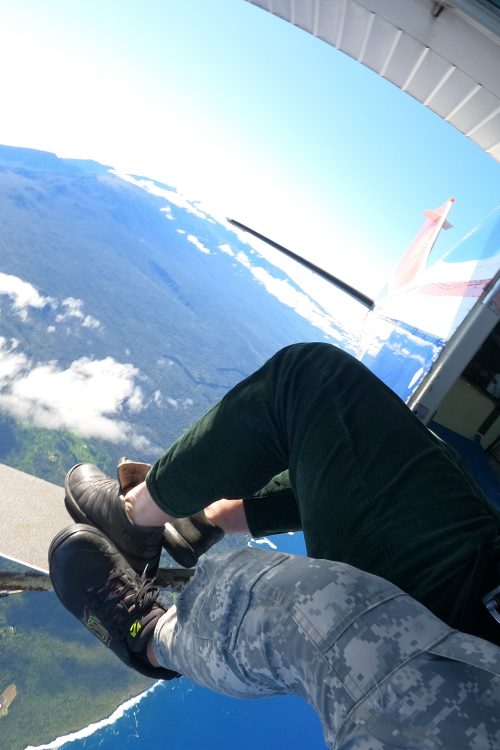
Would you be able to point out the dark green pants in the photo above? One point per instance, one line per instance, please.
(367, 482)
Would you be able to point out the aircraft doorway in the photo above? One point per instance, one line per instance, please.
(472, 406)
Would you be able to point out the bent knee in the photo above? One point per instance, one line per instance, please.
(312, 352)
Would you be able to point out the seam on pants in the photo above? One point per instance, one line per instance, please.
(321, 644)
(378, 685)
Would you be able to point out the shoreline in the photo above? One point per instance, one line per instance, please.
(95, 726)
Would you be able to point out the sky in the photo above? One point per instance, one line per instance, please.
(258, 119)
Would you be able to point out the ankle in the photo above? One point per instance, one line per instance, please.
(141, 508)
(228, 515)
(150, 654)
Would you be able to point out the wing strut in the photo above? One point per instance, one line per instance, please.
(347, 288)
(33, 580)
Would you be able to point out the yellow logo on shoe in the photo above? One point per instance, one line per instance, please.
(96, 627)
(135, 628)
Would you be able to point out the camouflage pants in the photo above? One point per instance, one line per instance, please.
(380, 670)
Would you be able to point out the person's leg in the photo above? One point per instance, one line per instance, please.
(375, 665)
(373, 486)
(446, 697)
(379, 669)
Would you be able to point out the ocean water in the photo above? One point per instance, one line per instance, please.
(178, 715)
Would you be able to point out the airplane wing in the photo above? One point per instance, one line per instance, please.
(35, 511)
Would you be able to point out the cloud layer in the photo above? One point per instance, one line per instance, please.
(289, 295)
(91, 398)
(23, 296)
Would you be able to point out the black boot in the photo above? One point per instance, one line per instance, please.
(98, 586)
(95, 499)
(187, 539)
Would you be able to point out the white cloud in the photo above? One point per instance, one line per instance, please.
(262, 541)
(73, 309)
(134, 401)
(196, 242)
(226, 249)
(90, 397)
(345, 311)
(175, 403)
(172, 196)
(294, 298)
(242, 258)
(298, 301)
(23, 294)
(90, 322)
(12, 364)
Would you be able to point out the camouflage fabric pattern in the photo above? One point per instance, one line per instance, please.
(379, 669)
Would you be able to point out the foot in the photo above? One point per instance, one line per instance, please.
(93, 498)
(98, 586)
(185, 539)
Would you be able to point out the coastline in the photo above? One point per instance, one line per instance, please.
(95, 726)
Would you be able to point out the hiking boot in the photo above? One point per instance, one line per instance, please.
(93, 498)
(185, 539)
(98, 586)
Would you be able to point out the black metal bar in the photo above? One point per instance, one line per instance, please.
(16, 582)
(350, 290)
(13, 583)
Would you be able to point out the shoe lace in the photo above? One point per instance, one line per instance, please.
(119, 600)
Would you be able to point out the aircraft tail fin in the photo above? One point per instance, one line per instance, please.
(415, 257)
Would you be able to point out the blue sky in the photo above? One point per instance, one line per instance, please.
(242, 110)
